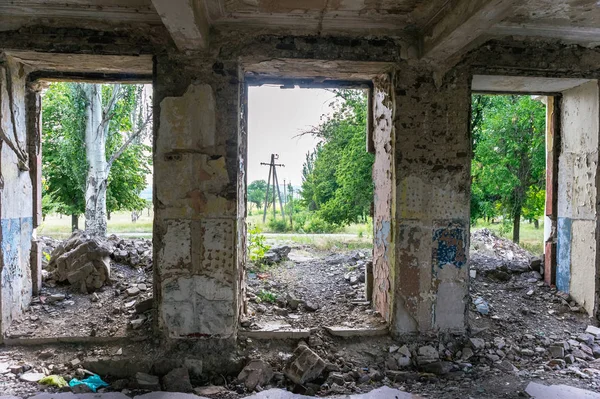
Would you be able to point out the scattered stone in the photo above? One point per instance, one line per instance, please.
(177, 380)
(147, 381)
(557, 352)
(311, 306)
(305, 366)
(477, 344)
(144, 306)
(427, 354)
(257, 373)
(210, 390)
(55, 298)
(137, 323)
(132, 291)
(276, 254)
(595, 331)
(31, 377)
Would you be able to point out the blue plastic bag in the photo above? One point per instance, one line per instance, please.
(93, 382)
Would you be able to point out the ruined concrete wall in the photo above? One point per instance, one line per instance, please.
(16, 196)
(195, 184)
(577, 266)
(432, 201)
(384, 185)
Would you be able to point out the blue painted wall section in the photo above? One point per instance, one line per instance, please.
(563, 254)
(16, 243)
(449, 246)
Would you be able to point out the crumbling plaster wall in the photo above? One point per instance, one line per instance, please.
(195, 186)
(577, 266)
(15, 197)
(384, 186)
(432, 201)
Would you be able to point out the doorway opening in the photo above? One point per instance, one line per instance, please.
(310, 194)
(93, 192)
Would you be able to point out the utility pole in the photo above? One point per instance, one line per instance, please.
(291, 206)
(275, 182)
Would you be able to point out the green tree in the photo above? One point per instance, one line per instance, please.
(64, 160)
(508, 168)
(256, 193)
(337, 180)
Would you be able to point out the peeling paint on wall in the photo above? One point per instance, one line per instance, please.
(16, 199)
(449, 247)
(383, 176)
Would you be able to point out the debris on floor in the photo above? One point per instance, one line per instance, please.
(77, 299)
(312, 289)
(521, 332)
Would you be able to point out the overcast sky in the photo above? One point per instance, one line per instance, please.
(275, 116)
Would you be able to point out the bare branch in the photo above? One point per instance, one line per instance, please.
(127, 142)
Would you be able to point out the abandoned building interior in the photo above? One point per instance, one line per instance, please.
(421, 60)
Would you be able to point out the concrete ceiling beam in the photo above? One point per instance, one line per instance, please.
(186, 21)
(461, 24)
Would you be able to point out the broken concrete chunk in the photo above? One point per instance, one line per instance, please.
(595, 331)
(306, 366)
(81, 260)
(147, 381)
(477, 344)
(32, 377)
(144, 305)
(427, 354)
(257, 373)
(177, 380)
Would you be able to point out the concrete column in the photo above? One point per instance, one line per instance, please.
(34, 151)
(196, 174)
(433, 154)
(577, 249)
(16, 222)
(552, 150)
(380, 279)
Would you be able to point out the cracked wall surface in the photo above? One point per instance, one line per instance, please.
(383, 179)
(422, 201)
(196, 277)
(577, 261)
(432, 201)
(16, 219)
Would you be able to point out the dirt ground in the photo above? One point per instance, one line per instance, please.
(513, 338)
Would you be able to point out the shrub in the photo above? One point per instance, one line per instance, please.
(257, 246)
(278, 225)
(317, 225)
(266, 296)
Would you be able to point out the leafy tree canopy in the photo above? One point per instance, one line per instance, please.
(337, 180)
(508, 167)
(64, 165)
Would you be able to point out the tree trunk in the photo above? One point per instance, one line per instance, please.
(95, 151)
(517, 226)
(74, 222)
(536, 223)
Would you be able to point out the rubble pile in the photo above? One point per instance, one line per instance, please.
(81, 260)
(87, 292)
(310, 292)
(498, 257)
(132, 252)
